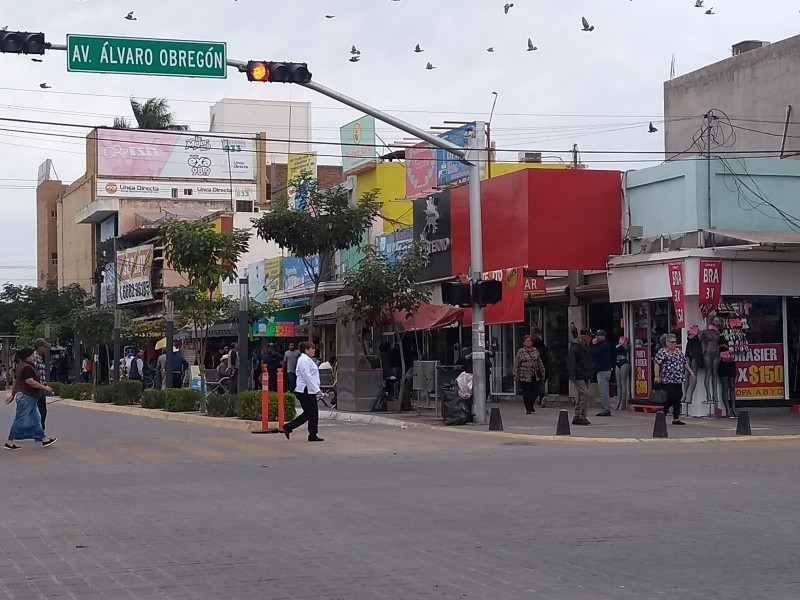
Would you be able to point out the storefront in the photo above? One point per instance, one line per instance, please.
(750, 295)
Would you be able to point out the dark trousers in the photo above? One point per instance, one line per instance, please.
(541, 390)
(674, 394)
(177, 379)
(310, 413)
(272, 376)
(529, 392)
(291, 381)
(42, 404)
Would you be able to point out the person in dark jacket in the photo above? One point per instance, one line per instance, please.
(579, 371)
(544, 354)
(603, 361)
(273, 361)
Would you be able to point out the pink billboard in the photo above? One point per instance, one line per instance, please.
(171, 154)
(421, 165)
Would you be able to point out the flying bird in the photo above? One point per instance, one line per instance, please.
(355, 58)
(430, 67)
(652, 128)
(44, 86)
(531, 47)
(507, 7)
(355, 51)
(490, 49)
(36, 59)
(710, 11)
(417, 48)
(586, 26)
(698, 3)
(130, 17)
(330, 16)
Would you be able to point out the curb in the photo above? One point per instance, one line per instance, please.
(369, 419)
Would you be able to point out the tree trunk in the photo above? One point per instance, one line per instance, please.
(313, 308)
(399, 342)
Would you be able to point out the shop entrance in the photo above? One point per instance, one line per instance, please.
(793, 345)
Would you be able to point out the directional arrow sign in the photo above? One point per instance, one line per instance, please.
(143, 56)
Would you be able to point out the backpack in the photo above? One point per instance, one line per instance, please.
(135, 374)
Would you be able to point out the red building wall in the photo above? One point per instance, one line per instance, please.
(542, 219)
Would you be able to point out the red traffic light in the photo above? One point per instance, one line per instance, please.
(258, 71)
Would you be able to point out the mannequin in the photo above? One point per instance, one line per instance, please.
(710, 339)
(694, 354)
(622, 354)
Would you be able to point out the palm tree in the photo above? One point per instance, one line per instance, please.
(152, 114)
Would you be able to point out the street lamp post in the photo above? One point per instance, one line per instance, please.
(169, 333)
(244, 321)
(117, 345)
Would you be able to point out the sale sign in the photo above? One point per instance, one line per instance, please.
(641, 372)
(676, 285)
(760, 375)
(710, 285)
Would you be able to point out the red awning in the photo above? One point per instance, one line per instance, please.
(430, 316)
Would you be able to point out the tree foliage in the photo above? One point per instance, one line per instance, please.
(94, 325)
(151, 114)
(329, 224)
(25, 310)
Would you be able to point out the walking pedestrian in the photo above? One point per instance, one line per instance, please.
(233, 367)
(623, 364)
(308, 393)
(290, 358)
(27, 423)
(529, 372)
(603, 362)
(544, 354)
(579, 371)
(273, 361)
(41, 347)
(669, 368)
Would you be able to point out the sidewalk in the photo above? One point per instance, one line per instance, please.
(621, 425)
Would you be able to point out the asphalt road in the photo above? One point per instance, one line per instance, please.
(131, 508)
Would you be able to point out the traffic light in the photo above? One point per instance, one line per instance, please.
(456, 293)
(22, 42)
(488, 291)
(278, 72)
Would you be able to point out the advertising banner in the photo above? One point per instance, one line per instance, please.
(676, 285)
(273, 276)
(641, 372)
(760, 375)
(295, 274)
(391, 244)
(511, 309)
(299, 164)
(358, 143)
(535, 286)
(273, 329)
(451, 170)
(710, 285)
(134, 267)
(172, 154)
(176, 190)
(432, 228)
(422, 165)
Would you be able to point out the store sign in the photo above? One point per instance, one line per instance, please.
(535, 286)
(174, 190)
(391, 245)
(451, 169)
(279, 330)
(358, 144)
(299, 166)
(710, 285)
(421, 168)
(641, 372)
(133, 274)
(760, 375)
(160, 155)
(678, 299)
(296, 274)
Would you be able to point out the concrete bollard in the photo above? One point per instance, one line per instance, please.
(660, 427)
(743, 424)
(563, 422)
(495, 420)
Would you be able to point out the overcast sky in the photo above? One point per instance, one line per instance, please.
(597, 89)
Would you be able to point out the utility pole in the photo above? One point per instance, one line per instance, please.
(169, 333)
(243, 373)
(476, 256)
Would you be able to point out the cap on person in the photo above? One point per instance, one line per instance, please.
(24, 353)
(586, 331)
(601, 333)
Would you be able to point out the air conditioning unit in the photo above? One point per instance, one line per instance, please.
(245, 206)
(530, 157)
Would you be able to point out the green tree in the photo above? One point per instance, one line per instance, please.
(25, 310)
(329, 224)
(206, 258)
(151, 114)
(380, 289)
(94, 325)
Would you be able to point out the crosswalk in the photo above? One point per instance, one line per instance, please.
(222, 446)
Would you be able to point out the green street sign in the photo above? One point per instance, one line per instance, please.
(143, 56)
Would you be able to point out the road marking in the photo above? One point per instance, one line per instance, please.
(259, 446)
(196, 450)
(85, 453)
(142, 451)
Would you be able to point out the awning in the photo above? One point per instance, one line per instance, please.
(329, 308)
(215, 331)
(430, 316)
(592, 290)
(760, 238)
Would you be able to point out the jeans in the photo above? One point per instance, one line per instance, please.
(582, 405)
(529, 391)
(309, 415)
(603, 377)
(41, 404)
(728, 395)
(27, 423)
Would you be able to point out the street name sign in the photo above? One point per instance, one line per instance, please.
(144, 56)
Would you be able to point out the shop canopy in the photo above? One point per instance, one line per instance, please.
(431, 316)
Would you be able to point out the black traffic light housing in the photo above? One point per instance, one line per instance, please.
(22, 42)
(488, 291)
(277, 72)
(456, 293)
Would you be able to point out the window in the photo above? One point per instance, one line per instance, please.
(174, 192)
(54, 259)
(53, 214)
(187, 191)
